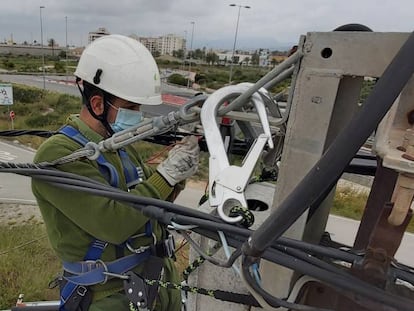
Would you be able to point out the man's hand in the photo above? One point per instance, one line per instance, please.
(182, 161)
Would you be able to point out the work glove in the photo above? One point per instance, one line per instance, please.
(182, 161)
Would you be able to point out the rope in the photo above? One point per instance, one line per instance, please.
(248, 217)
(192, 267)
(216, 294)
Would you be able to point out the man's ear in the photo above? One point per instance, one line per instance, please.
(97, 104)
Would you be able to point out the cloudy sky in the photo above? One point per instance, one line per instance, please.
(267, 24)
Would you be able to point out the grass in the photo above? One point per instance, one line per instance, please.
(28, 264)
(27, 269)
(350, 203)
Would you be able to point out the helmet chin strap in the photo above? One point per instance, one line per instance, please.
(103, 118)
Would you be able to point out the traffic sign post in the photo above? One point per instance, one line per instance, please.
(6, 94)
(12, 116)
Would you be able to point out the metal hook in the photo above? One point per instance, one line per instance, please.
(228, 182)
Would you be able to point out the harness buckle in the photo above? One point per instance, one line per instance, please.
(169, 245)
(140, 249)
(81, 291)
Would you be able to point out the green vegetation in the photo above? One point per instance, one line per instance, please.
(177, 79)
(27, 269)
(350, 203)
(33, 64)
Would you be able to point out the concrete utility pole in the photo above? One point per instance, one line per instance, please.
(191, 49)
(41, 43)
(235, 37)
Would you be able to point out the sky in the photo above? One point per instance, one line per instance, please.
(267, 24)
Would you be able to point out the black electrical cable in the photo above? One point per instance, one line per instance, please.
(336, 279)
(272, 300)
(40, 133)
(339, 153)
(347, 283)
(86, 184)
(184, 214)
(159, 213)
(309, 258)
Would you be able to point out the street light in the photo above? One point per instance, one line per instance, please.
(191, 50)
(66, 53)
(235, 37)
(41, 43)
(184, 48)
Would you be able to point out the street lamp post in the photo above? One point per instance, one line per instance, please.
(184, 48)
(191, 50)
(67, 49)
(41, 43)
(235, 37)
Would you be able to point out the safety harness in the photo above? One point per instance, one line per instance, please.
(78, 276)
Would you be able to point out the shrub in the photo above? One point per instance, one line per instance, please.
(26, 94)
(67, 104)
(177, 79)
(59, 67)
(38, 121)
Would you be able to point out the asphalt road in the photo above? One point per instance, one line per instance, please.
(67, 85)
(15, 188)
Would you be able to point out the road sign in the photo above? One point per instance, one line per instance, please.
(12, 115)
(6, 94)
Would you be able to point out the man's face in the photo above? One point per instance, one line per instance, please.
(117, 103)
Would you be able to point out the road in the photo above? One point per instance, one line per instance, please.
(64, 85)
(15, 188)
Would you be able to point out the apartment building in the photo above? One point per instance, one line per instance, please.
(93, 35)
(164, 44)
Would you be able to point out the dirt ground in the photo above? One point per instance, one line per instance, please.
(13, 213)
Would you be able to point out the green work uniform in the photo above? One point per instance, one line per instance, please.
(74, 219)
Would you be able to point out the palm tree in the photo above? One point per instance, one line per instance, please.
(51, 42)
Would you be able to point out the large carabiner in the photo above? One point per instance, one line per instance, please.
(227, 183)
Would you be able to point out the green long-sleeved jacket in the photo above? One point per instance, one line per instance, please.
(73, 219)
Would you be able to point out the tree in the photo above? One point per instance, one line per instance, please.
(156, 53)
(178, 53)
(198, 54)
(62, 54)
(51, 42)
(212, 58)
(255, 58)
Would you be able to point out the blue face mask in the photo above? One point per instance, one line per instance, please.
(125, 118)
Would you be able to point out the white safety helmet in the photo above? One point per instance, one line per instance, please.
(123, 67)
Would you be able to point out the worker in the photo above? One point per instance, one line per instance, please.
(91, 234)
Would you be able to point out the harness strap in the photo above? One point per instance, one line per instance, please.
(90, 273)
(105, 167)
(92, 270)
(133, 174)
(95, 250)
